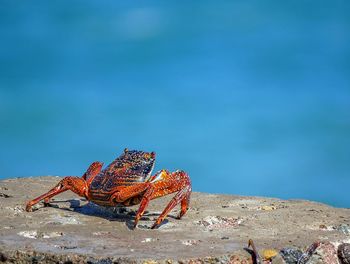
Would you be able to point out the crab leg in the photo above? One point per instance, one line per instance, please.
(181, 196)
(75, 184)
(47, 198)
(144, 203)
(163, 183)
(185, 204)
(88, 176)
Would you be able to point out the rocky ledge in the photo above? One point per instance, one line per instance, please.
(216, 229)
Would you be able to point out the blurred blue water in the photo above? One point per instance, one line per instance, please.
(250, 98)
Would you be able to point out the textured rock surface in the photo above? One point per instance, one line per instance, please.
(344, 253)
(325, 253)
(216, 228)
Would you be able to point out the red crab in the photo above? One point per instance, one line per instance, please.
(126, 181)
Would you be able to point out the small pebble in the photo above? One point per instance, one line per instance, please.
(147, 240)
(344, 253)
(150, 262)
(267, 208)
(268, 254)
(190, 242)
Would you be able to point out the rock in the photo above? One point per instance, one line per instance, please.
(278, 260)
(71, 230)
(325, 253)
(291, 255)
(344, 228)
(305, 257)
(344, 253)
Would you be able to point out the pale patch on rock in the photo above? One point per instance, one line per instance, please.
(267, 208)
(8, 227)
(29, 234)
(33, 234)
(17, 209)
(190, 242)
(147, 240)
(52, 234)
(99, 233)
(65, 220)
(318, 226)
(218, 222)
(256, 205)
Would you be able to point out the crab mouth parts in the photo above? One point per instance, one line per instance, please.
(149, 173)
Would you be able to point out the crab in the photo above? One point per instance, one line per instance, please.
(127, 181)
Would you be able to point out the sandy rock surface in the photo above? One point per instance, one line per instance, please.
(215, 229)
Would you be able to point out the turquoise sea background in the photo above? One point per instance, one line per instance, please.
(249, 97)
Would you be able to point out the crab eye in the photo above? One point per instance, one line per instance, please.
(153, 154)
(126, 150)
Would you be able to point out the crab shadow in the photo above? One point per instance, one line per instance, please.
(118, 213)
